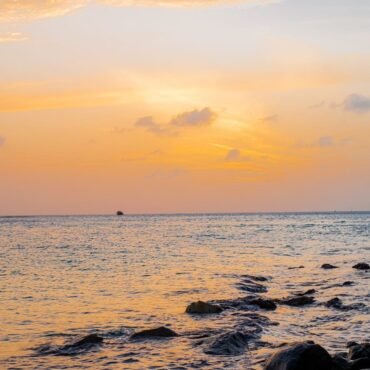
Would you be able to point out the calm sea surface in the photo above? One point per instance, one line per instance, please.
(64, 277)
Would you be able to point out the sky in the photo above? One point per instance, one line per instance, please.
(170, 106)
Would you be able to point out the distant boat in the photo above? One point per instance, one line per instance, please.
(119, 213)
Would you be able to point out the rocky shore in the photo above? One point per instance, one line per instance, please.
(250, 320)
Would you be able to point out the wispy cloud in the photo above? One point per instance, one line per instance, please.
(12, 37)
(194, 118)
(15, 10)
(271, 118)
(2, 141)
(357, 103)
(149, 124)
(326, 141)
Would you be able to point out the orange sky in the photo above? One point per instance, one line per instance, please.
(168, 106)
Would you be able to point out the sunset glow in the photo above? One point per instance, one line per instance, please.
(168, 106)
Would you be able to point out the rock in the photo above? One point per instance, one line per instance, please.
(307, 292)
(161, 332)
(119, 213)
(357, 351)
(338, 304)
(71, 349)
(360, 364)
(334, 303)
(229, 344)
(203, 308)
(328, 266)
(301, 356)
(297, 301)
(297, 267)
(361, 266)
(265, 304)
(91, 339)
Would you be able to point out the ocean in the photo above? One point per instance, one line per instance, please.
(64, 277)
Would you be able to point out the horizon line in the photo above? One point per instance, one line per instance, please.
(187, 214)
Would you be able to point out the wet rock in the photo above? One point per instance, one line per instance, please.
(161, 332)
(338, 304)
(328, 266)
(307, 292)
(265, 304)
(91, 339)
(357, 351)
(203, 308)
(301, 356)
(334, 303)
(297, 301)
(70, 349)
(229, 344)
(361, 266)
(360, 364)
(297, 267)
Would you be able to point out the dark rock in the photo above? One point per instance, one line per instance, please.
(328, 266)
(301, 356)
(229, 344)
(71, 349)
(334, 303)
(119, 213)
(88, 340)
(341, 362)
(161, 332)
(203, 308)
(360, 364)
(357, 351)
(295, 268)
(297, 301)
(362, 266)
(338, 304)
(307, 292)
(265, 304)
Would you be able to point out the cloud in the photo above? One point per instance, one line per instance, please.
(2, 141)
(194, 118)
(271, 118)
(326, 141)
(12, 37)
(234, 155)
(150, 125)
(15, 10)
(357, 103)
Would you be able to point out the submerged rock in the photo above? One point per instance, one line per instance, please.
(161, 332)
(338, 304)
(201, 307)
(307, 292)
(301, 356)
(229, 344)
(361, 266)
(70, 349)
(265, 304)
(328, 266)
(297, 301)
